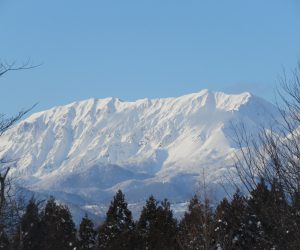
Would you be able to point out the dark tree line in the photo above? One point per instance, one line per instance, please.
(265, 219)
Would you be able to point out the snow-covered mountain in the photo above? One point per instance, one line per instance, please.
(84, 151)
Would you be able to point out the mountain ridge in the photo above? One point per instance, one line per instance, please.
(91, 148)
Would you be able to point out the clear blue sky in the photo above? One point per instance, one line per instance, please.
(144, 48)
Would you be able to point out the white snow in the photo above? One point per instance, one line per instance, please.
(84, 151)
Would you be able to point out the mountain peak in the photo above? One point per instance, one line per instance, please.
(87, 150)
(220, 100)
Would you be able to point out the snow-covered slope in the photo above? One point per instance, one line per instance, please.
(84, 151)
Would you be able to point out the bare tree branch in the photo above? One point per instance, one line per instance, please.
(9, 204)
(274, 153)
(5, 67)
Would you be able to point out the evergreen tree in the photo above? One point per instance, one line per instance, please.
(86, 235)
(57, 226)
(277, 217)
(67, 227)
(273, 214)
(255, 222)
(223, 229)
(167, 226)
(117, 230)
(208, 225)
(294, 222)
(156, 228)
(196, 227)
(4, 240)
(238, 212)
(266, 222)
(146, 226)
(30, 227)
(190, 227)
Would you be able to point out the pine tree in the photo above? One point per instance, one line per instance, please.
(30, 227)
(57, 227)
(117, 230)
(156, 228)
(4, 240)
(255, 222)
(208, 225)
(223, 229)
(67, 227)
(146, 226)
(190, 227)
(167, 226)
(277, 216)
(294, 222)
(235, 220)
(196, 227)
(86, 235)
(265, 225)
